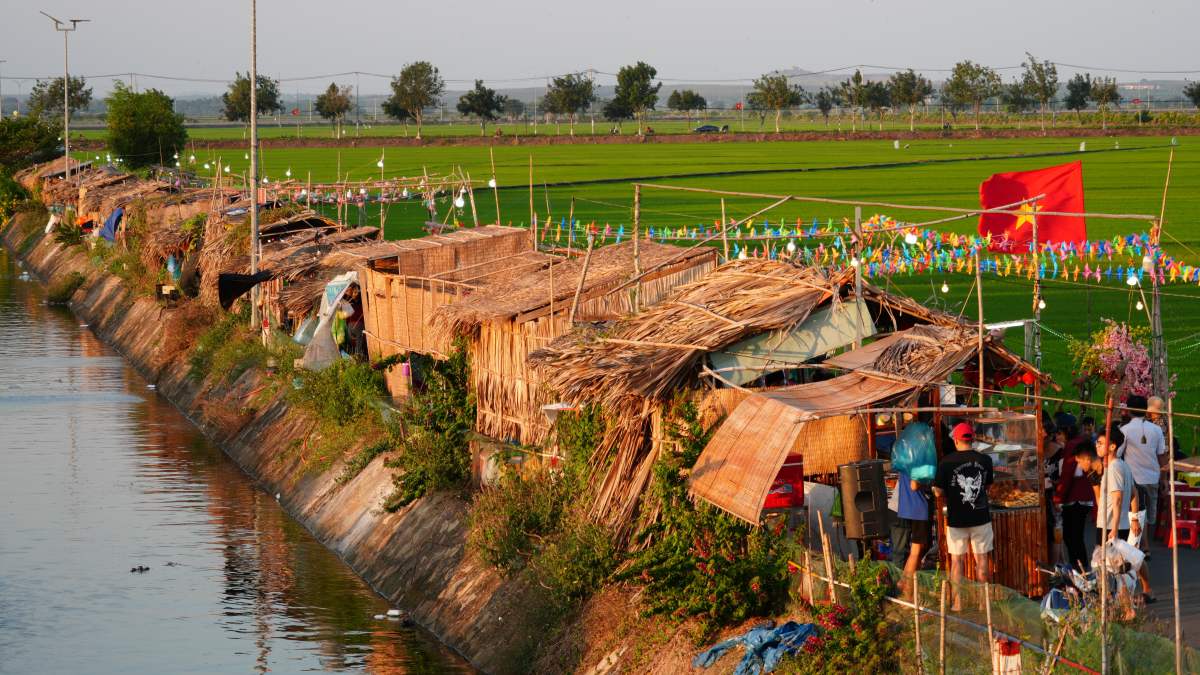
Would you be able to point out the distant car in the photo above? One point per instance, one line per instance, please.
(710, 129)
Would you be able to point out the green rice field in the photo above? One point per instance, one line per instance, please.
(937, 173)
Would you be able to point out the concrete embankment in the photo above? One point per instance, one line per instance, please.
(416, 557)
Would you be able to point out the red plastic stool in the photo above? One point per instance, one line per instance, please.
(1190, 531)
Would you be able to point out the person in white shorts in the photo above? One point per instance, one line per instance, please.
(962, 479)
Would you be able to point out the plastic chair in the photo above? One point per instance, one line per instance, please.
(1187, 532)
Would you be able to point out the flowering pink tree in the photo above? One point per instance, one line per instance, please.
(1117, 355)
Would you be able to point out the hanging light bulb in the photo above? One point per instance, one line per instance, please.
(492, 182)
(191, 159)
(1041, 304)
(791, 246)
(176, 165)
(1140, 306)
(288, 173)
(854, 262)
(1148, 264)
(459, 202)
(910, 239)
(303, 192)
(206, 166)
(349, 194)
(1132, 280)
(742, 254)
(245, 155)
(362, 191)
(227, 169)
(175, 156)
(379, 164)
(265, 180)
(108, 157)
(404, 193)
(97, 158)
(945, 287)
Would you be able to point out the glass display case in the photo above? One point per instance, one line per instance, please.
(1010, 439)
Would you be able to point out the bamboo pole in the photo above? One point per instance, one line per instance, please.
(532, 215)
(1174, 534)
(637, 258)
(587, 259)
(495, 183)
(942, 632)
(1102, 505)
(917, 625)
(987, 605)
(471, 196)
(979, 305)
(888, 205)
(724, 234)
(827, 553)
(1158, 348)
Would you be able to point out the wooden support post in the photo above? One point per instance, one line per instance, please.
(808, 581)
(979, 299)
(1102, 506)
(942, 633)
(827, 552)
(857, 262)
(1158, 347)
(1037, 291)
(570, 226)
(637, 259)
(587, 259)
(724, 234)
(1173, 535)
(494, 182)
(471, 196)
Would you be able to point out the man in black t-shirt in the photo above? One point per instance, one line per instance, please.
(962, 479)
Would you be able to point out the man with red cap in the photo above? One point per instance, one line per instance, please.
(962, 479)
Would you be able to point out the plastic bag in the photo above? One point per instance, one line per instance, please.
(914, 453)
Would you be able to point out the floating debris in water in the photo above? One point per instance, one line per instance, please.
(139, 569)
(171, 564)
(152, 386)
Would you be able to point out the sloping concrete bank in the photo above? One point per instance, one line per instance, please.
(416, 557)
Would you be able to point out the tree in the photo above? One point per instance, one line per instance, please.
(636, 90)
(616, 110)
(46, 97)
(972, 84)
(1105, 93)
(756, 105)
(1079, 90)
(237, 99)
(1192, 91)
(334, 104)
(879, 98)
(418, 87)
(685, 102)
(775, 93)
(854, 94)
(143, 127)
(826, 100)
(1041, 83)
(514, 109)
(1016, 98)
(910, 89)
(570, 95)
(483, 103)
(25, 141)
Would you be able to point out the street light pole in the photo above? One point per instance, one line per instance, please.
(254, 291)
(61, 26)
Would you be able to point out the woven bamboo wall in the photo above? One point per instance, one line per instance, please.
(652, 290)
(832, 441)
(508, 393)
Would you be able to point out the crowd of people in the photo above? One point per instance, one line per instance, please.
(1106, 480)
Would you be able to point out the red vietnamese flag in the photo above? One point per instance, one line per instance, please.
(1062, 186)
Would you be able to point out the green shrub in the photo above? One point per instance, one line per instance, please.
(855, 638)
(575, 561)
(340, 393)
(436, 420)
(68, 233)
(60, 291)
(508, 519)
(12, 196)
(200, 361)
(364, 457)
(699, 561)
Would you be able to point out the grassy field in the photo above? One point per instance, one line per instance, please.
(937, 173)
(301, 127)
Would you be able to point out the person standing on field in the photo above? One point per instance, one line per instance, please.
(962, 479)
(1145, 451)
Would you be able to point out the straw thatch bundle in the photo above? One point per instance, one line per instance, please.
(656, 353)
(924, 351)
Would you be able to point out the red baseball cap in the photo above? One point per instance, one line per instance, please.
(963, 432)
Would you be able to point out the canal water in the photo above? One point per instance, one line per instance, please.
(98, 475)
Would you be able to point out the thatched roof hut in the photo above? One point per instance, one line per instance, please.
(508, 321)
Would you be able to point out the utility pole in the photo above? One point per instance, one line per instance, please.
(61, 26)
(254, 291)
(1158, 347)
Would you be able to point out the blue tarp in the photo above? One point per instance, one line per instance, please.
(764, 647)
(109, 231)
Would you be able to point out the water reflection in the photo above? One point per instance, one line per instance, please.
(99, 474)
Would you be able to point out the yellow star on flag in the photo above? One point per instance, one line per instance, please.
(1028, 211)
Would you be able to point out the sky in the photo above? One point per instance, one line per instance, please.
(520, 42)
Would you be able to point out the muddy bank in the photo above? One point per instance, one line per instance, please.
(627, 139)
(416, 557)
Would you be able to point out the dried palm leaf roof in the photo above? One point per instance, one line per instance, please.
(529, 296)
(651, 354)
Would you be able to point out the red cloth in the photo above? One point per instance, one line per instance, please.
(1062, 186)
